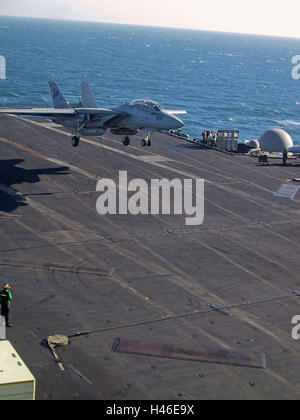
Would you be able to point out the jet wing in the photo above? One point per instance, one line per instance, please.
(56, 112)
(40, 112)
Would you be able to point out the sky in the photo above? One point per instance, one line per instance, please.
(267, 17)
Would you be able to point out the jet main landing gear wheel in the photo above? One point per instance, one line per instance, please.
(75, 141)
(126, 141)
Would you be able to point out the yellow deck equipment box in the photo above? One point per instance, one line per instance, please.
(16, 381)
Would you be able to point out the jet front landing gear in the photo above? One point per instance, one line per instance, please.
(75, 141)
(146, 142)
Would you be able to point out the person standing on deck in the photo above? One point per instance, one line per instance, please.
(5, 299)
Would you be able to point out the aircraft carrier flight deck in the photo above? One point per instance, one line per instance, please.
(231, 283)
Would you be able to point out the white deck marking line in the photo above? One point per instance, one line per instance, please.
(7, 216)
(74, 168)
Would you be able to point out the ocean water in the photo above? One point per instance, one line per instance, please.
(224, 81)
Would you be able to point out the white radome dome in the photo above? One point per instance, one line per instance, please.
(275, 140)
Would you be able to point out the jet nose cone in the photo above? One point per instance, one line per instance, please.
(175, 122)
(179, 123)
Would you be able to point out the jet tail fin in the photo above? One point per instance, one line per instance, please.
(58, 98)
(88, 100)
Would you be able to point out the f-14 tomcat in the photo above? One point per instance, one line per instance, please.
(87, 119)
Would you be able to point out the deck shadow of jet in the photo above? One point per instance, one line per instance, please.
(11, 175)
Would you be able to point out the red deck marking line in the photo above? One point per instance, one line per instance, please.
(225, 357)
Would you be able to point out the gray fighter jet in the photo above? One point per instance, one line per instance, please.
(87, 119)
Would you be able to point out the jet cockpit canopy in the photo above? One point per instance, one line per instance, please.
(146, 103)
